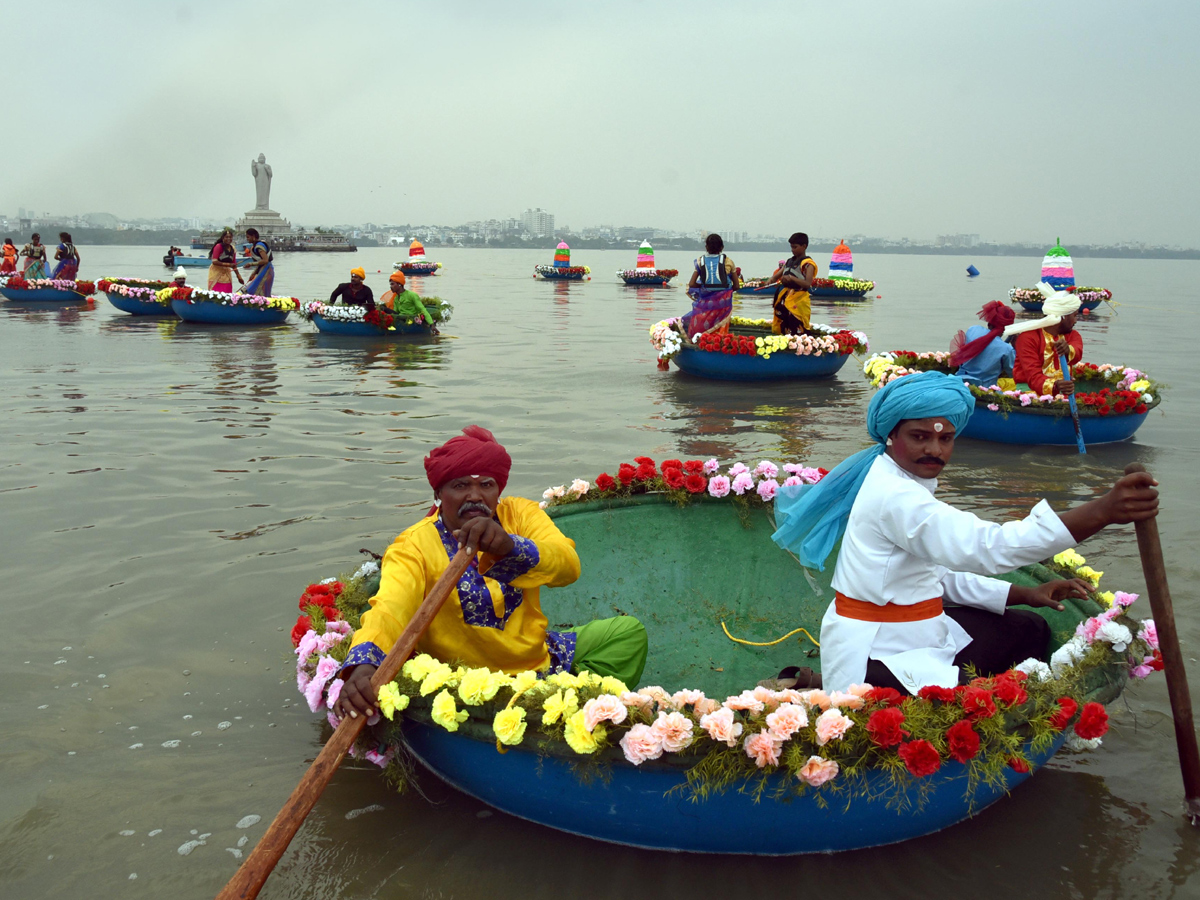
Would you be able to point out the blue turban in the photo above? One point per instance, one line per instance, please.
(811, 518)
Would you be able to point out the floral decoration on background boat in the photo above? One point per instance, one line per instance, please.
(561, 269)
(753, 337)
(1031, 298)
(18, 283)
(646, 272)
(379, 318)
(136, 296)
(188, 294)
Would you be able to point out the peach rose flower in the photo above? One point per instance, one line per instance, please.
(640, 744)
(861, 690)
(680, 699)
(674, 730)
(763, 749)
(846, 700)
(705, 705)
(605, 708)
(786, 721)
(767, 697)
(816, 698)
(634, 699)
(721, 726)
(745, 701)
(790, 695)
(831, 725)
(817, 771)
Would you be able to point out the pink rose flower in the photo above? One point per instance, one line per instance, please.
(1148, 633)
(831, 725)
(307, 645)
(1026, 399)
(1141, 671)
(738, 468)
(341, 626)
(765, 467)
(380, 759)
(993, 406)
(605, 708)
(327, 667)
(817, 771)
(792, 468)
(718, 486)
(335, 691)
(846, 700)
(683, 698)
(633, 699)
(655, 693)
(816, 699)
(746, 702)
(720, 726)
(792, 481)
(674, 730)
(742, 483)
(705, 706)
(332, 720)
(302, 678)
(640, 743)
(810, 475)
(763, 749)
(711, 466)
(1124, 600)
(1088, 628)
(768, 489)
(786, 721)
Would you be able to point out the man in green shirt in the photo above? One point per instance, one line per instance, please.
(405, 304)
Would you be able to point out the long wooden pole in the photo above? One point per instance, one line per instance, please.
(1155, 572)
(1066, 370)
(253, 873)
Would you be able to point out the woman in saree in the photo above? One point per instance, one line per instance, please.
(8, 265)
(223, 264)
(35, 258)
(262, 279)
(713, 282)
(68, 259)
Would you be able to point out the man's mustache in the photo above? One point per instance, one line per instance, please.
(930, 461)
(472, 506)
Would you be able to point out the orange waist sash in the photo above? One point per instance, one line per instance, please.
(849, 608)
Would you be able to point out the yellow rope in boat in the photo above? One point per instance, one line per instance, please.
(816, 643)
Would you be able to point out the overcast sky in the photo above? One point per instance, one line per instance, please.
(1013, 120)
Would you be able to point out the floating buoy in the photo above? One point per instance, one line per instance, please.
(972, 271)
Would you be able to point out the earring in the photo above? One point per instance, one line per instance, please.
(889, 442)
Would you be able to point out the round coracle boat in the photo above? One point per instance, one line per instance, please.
(379, 322)
(16, 287)
(701, 760)
(1031, 299)
(1112, 401)
(136, 296)
(840, 288)
(218, 308)
(750, 352)
(647, 277)
(562, 273)
(418, 268)
(757, 287)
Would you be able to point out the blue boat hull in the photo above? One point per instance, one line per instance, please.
(1035, 428)
(647, 807)
(42, 294)
(645, 282)
(362, 329)
(419, 268)
(738, 367)
(768, 291)
(200, 262)
(138, 307)
(840, 293)
(553, 276)
(218, 314)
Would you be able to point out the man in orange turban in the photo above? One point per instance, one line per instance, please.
(493, 618)
(405, 304)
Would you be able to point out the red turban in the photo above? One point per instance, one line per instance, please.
(475, 452)
(997, 315)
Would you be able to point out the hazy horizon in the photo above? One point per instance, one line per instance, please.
(1019, 122)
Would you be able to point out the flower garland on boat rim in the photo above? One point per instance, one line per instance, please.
(143, 289)
(1085, 294)
(854, 285)
(818, 738)
(668, 339)
(552, 272)
(649, 275)
(19, 283)
(197, 295)
(1124, 390)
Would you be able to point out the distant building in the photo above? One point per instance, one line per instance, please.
(538, 222)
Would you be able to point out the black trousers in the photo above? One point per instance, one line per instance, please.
(997, 643)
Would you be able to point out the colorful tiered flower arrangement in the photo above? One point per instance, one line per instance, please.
(561, 268)
(20, 283)
(814, 737)
(439, 310)
(197, 295)
(1101, 389)
(646, 271)
(753, 337)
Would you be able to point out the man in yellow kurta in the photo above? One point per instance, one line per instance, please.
(493, 618)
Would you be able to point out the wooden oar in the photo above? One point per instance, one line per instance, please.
(249, 878)
(1066, 370)
(1155, 573)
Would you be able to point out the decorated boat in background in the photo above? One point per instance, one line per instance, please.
(219, 308)
(749, 351)
(757, 287)
(199, 262)
(841, 283)
(562, 270)
(358, 322)
(762, 771)
(43, 290)
(1113, 402)
(1058, 271)
(136, 296)
(646, 273)
(417, 264)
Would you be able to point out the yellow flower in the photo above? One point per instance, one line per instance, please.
(559, 705)
(1090, 574)
(523, 682)
(439, 678)
(579, 738)
(586, 679)
(611, 685)
(563, 680)
(445, 713)
(419, 666)
(1106, 597)
(1070, 559)
(1140, 385)
(391, 701)
(509, 725)
(477, 686)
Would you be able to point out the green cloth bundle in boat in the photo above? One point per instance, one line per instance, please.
(615, 647)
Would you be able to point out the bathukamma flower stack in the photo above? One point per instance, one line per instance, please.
(1057, 269)
(562, 256)
(842, 264)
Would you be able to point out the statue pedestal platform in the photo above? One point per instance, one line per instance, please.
(267, 221)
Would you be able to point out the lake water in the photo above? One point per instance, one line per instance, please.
(168, 489)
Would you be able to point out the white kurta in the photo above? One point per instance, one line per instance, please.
(903, 546)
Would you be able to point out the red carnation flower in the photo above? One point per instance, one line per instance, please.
(695, 484)
(1157, 662)
(643, 461)
(673, 477)
(318, 589)
(332, 613)
(300, 629)
(1093, 722)
(884, 727)
(1104, 410)
(1010, 692)
(625, 473)
(1019, 765)
(1066, 711)
(823, 472)
(672, 464)
(645, 472)
(920, 758)
(934, 692)
(1140, 408)
(693, 467)
(977, 703)
(605, 482)
(962, 741)
(884, 696)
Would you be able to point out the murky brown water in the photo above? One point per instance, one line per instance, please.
(167, 490)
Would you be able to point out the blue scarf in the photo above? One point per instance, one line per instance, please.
(811, 518)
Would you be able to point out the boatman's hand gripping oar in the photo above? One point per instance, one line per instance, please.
(253, 873)
(1155, 572)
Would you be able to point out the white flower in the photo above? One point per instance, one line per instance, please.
(366, 570)
(1116, 634)
(553, 493)
(1147, 398)
(1035, 669)
(1067, 655)
(1075, 742)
